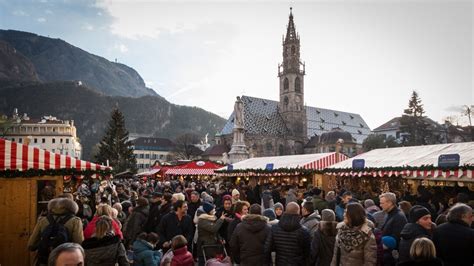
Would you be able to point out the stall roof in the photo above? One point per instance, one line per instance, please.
(17, 156)
(307, 161)
(414, 156)
(410, 162)
(194, 168)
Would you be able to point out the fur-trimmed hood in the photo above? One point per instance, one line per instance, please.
(60, 206)
(254, 222)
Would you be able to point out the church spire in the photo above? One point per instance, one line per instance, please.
(291, 35)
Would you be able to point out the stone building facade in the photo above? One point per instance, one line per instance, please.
(287, 126)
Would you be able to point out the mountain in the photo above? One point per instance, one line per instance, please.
(55, 59)
(14, 65)
(68, 100)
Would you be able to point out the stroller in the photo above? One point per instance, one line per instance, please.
(215, 255)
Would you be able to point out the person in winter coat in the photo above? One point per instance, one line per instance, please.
(208, 227)
(289, 239)
(341, 207)
(176, 223)
(291, 196)
(105, 248)
(454, 240)
(248, 239)
(241, 209)
(331, 200)
(181, 255)
(322, 246)
(422, 253)
(420, 226)
(136, 222)
(389, 244)
(319, 203)
(395, 220)
(267, 199)
(59, 208)
(310, 217)
(370, 206)
(102, 209)
(154, 213)
(271, 216)
(194, 203)
(279, 209)
(143, 250)
(355, 241)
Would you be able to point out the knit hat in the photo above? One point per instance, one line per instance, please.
(235, 192)
(226, 197)
(278, 205)
(207, 207)
(368, 203)
(416, 212)
(389, 242)
(327, 215)
(270, 214)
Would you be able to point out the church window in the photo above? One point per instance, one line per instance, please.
(293, 50)
(286, 84)
(297, 84)
(281, 150)
(286, 100)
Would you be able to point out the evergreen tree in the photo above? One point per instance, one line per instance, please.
(376, 141)
(116, 147)
(413, 124)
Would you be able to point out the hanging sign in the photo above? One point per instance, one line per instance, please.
(269, 166)
(449, 160)
(358, 164)
(230, 167)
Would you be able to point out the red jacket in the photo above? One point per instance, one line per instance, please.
(90, 228)
(182, 257)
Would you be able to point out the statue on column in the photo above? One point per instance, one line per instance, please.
(239, 113)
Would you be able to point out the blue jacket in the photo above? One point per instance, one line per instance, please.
(144, 255)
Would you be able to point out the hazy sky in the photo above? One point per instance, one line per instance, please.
(361, 56)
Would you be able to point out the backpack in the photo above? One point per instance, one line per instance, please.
(52, 236)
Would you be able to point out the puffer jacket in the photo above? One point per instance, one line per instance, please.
(410, 232)
(144, 255)
(356, 246)
(106, 251)
(322, 246)
(311, 222)
(208, 227)
(248, 240)
(290, 240)
(58, 207)
(182, 257)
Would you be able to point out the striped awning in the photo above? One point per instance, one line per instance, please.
(180, 171)
(17, 156)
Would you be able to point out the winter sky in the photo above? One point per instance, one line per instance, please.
(362, 56)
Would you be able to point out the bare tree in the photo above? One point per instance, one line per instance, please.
(185, 149)
(467, 111)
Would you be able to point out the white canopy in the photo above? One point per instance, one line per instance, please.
(307, 161)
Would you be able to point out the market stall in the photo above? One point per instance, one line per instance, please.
(406, 167)
(200, 169)
(29, 177)
(291, 169)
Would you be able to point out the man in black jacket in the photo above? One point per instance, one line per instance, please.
(289, 239)
(454, 240)
(176, 223)
(395, 220)
(194, 204)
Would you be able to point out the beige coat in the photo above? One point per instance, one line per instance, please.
(357, 246)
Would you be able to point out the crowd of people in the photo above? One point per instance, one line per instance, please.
(189, 222)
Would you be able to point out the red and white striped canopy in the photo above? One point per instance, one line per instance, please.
(194, 168)
(17, 156)
(190, 171)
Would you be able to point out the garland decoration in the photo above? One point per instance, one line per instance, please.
(400, 168)
(265, 172)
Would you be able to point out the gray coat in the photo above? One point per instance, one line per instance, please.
(311, 222)
(356, 246)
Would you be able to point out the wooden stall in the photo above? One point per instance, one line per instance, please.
(302, 169)
(406, 168)
(29, 178)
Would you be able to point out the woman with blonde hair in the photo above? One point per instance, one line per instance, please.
(422, 253)
(104, 248)
(102, 210)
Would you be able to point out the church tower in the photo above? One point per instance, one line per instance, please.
(291, 73)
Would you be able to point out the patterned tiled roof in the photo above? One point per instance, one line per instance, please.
(261, 117)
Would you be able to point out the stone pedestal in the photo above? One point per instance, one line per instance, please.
(238, 151)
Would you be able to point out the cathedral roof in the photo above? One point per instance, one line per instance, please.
(261, 117)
